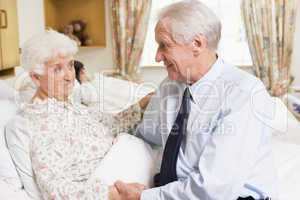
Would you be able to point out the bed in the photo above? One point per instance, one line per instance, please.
(118, 95)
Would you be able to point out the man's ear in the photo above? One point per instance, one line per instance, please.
(199, 44)
(35, 77)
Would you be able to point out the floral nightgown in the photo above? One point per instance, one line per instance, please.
(67, 142)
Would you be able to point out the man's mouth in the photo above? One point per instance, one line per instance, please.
(168, 65)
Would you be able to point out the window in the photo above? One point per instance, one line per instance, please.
(233, 46)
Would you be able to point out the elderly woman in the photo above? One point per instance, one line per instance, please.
(57, 145)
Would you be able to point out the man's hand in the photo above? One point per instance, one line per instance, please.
(130, 191)
(113, 193)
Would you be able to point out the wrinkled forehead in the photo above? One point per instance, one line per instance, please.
(162, 26)
(59, 60)
(161, 31)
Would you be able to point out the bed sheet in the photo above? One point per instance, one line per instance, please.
(287, 161)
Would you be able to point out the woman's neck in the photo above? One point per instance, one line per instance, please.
(43, 95)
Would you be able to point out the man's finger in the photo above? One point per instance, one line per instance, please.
(142, 187)
(139, 186)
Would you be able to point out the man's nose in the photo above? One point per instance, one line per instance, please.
(158, 56)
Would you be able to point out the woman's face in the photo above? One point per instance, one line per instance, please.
(58, 79)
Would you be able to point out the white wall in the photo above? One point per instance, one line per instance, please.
(296, 53)
(31, 18)
(31, 21)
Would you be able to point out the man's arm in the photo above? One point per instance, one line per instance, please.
(149, 128)
(226, 162)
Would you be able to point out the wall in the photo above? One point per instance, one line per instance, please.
(31, 21)
(99, 58)
(31, 18)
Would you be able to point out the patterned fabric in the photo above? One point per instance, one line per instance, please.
(67, 144)
(270, 26)
(129, 27)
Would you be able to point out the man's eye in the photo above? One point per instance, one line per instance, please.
(162, 46)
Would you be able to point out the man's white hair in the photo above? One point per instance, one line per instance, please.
(189, 18)
(44, 47)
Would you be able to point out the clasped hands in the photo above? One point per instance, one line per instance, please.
(126, 191)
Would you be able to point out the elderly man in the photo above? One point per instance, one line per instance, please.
(205, 116)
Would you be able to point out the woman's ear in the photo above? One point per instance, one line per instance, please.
(35, 77)
(199, 44)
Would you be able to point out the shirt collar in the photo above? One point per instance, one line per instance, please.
(205, 83)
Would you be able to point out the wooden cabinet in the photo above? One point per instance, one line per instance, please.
(59, 13)
(9, 35)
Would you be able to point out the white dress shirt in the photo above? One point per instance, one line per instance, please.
(226, 153)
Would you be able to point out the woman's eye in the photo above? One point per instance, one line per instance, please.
(57, 69)
(71, 65)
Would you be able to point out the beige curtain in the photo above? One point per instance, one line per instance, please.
(129, 22)
(270, 26)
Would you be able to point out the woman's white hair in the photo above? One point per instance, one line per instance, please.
(44, 47)
(189, 18)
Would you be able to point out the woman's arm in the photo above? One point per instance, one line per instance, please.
(57, 175)
(125, 121)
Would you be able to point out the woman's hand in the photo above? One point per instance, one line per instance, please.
(113, 193)
(145, 100)
(130, 191)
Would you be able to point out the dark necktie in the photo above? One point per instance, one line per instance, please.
(169, 160)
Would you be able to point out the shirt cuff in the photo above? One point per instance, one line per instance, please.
(151, 194)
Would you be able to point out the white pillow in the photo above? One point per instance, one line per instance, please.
(117, 95)
(6, 92)
(9, 192)
(7, 168)
(287, 161)
(129, 160)
(283, 123)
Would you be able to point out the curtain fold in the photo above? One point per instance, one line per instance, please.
(270, 27)
(129, 22)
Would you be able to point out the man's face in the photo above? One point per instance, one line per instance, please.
(58, 79)
(177, 58)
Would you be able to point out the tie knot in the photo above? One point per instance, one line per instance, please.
(187, 94)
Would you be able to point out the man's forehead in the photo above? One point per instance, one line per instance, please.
(161, 30)
(161, 26)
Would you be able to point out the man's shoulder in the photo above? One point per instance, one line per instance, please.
(241, 80)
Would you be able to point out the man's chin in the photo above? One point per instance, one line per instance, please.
(175, 77)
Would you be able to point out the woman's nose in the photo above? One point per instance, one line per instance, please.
(69, 74)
